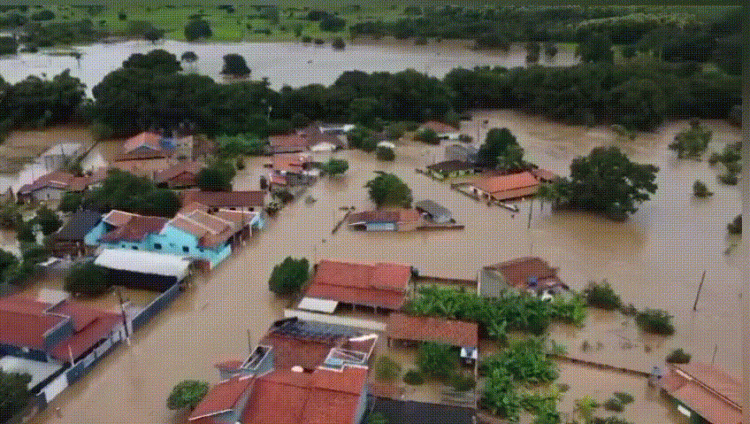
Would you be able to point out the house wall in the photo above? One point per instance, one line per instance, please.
(361, 406)
(47, 193)
(492, 284)
(92, 237)
(174, 241)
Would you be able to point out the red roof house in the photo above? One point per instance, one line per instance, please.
(428, 329)
(179, 175)
(143, 142)
(245, 200)
(383, 285)
(703, 390)
(507, 187)
(288, 143)
(520, 274)
(440, 128)
(52, 186)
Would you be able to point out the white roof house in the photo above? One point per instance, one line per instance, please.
(144, 262)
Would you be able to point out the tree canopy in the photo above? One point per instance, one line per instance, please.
(217, 177)
(235, 65)
(48, 220)
(497, 143)
(14, 394)
(389, 190)
(437, 360)
(692, 142)
(158, 60)
(289, 276)
(336, 166)
(197, 28)
(88, 279)
(187, 393)
(607, 181)
(125, 191)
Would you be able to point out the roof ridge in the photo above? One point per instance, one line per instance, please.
(192, 221)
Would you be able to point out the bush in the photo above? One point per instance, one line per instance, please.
(613, 404)
(47, 220)
(387, 369)
(655, 321)
(289, 276)
(385, 154)
(735, 227)
(87, 279)
(197, 28)
(602, 295)
(338, 43)
(413, 378)
(462, 383)
(700, 189)
(624, 398)
(187, 393)
(728, 179)
(427, 135)
(678, 356)
(436, 359)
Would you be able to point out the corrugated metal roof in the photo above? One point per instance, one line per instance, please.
(144, 262)
(318, 305)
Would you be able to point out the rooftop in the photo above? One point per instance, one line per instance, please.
(450, 166)
(148, 139)
(506, 183)
(223, 397)
(135, 229)
(78, 225)
(211, 230)
(709, 391)
(288, 142)
(189, 167)
(379, 215)
(57, 179)
(517, 272)
(144, 262)
(428, 329)
(218, 199)
(433, 208)
(439, 127)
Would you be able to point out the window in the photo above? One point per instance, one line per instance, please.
(157, 246)
(185, 249)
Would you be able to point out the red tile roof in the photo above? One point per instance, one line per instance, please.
(289, 163)
(24, 323)
(57, 179)
(513, 185)
(222, 397)
(147, 139)
(544, 174)
(518, 271)
(135, 229)
(210, 230)
(439, 127)
(323, 397)
(185, 170)
(288, 142)
(117, 217)
(225, 199)
(290, 351)
(710, 392)
(428, 329)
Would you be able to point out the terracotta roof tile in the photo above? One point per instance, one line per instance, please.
(712, 393)
(518, 271)
(189, 169)
(288, 142)
(136, 229)
(504, 183)
(222, 397)
(450, 166)
(225, 199)
(148, 139)
(428, 329)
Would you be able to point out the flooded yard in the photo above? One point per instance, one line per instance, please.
(653, 260)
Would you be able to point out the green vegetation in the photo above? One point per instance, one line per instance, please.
(47, 220)
(413, 378)
(235, 65)
(609, 420)
(501, 151)
(604, 181)
(613, 404)
(525, 361)
(388, 190)
(8, 45)
(655, 321)
(335, 167)
(241, 144)
(497, 316)
(197, 29)
(88, 279)
(437, 360)
(693, 142)
(159, 61)
(13, 393)
(289, 276)
(125, 191)
(730, 158)
(187, 393)
(462, 382)
(387, 369)
(499, 395)
(544, 406)
(678, 356)
(624, 398)
(216, 177)
(385, 154)
(377, 418)
(735, 227)
(700, 189)
(427, 135)
(602, 295)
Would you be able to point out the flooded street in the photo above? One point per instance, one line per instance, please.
(285, 63)
(653, 260)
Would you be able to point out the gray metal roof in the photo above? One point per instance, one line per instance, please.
(79, 225)
(432, 208)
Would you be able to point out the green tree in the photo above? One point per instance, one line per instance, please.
(215, 178)
(678, 356)
(550, 50)
(70, 201)
(533, 49)
(7, 260)
(377, 418)
(289, 276)
(48, 220)
(187, 393)
(385, 153)
(8, 45)
(735, 227)
(153, 35)
(427, 135)
(88, 279)
(336, 166)
(235, 65)
(190, 58)
(197, 28)
(595, 48)
(496, 144)
(700, 189)
(387, 369)
(437, 360)
(500, 397)
(388, 189)
(338, 43)
(159, 60)
(602, 295)
(607, 181)
(655, 321)
(24, 232)
(14, 394)
(125, 191)
(692, 142)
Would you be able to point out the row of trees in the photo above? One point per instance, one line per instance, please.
(151, 93)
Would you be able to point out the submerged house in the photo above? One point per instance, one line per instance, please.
(521, 275)
(70, 238)
(703, 393)
(506, 187)
(443, 131)
(180, 175)
(437, 213)
(385, 220)
(52, 187)
(410, 329)
(451, 169)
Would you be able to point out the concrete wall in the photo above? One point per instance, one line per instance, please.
(337, 320)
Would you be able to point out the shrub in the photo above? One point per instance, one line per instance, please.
(613, 404)
(385, 154)
(289, 276)
(655, 321)
(563, 387)
(87, 279)
(678, 356)
(187, 393)
(427, 135)
(338, 43)
(629, 311)
(413, 378)
(728, 179)
(700, 189)
(735, 227)
(462, 383)
(624, 398)
(436, 359)
(387, 369)
(602, 295)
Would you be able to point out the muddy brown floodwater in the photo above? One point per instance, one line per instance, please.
(655, 259)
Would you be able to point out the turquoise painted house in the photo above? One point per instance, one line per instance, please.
(207, 238)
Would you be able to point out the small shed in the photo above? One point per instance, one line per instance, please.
(143, 270)
(438, 214)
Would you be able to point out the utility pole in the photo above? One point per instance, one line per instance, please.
(531, 209)
(249, 343)
(700, 286)
(124, 316)
(713, 357)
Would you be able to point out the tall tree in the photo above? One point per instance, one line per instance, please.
(197, 28)
(289, 276)
(389, 190)
(156, 60)
(235, 65)
(595, 48)
(497, 143)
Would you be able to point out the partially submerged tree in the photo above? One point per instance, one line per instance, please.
(88, 279)
(496, 144)
(389, 190)
(735, 227)
(217, 177)
(602, 295)
(700, 189)
(235, 65)
(437, 360)
(387, 369)
(289, 276)
(385, 154)
(14, 394)
(692, 142)
(335, 167)
(187, 393)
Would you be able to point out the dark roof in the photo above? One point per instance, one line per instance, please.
(450, 166)
(217, 199)
(433, 208)
(411, 412)
(376, 216)
(136, 229)
(79, 225)
(189, 167)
